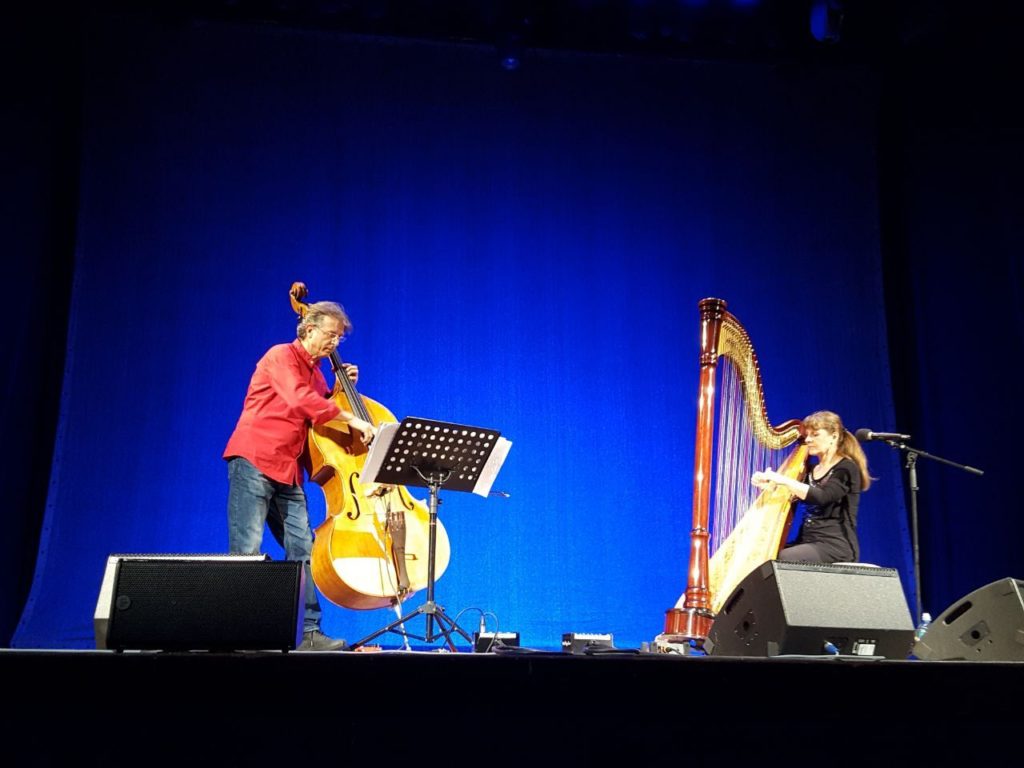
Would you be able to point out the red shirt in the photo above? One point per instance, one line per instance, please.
(287, 393)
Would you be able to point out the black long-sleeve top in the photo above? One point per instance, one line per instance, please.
(831, 506)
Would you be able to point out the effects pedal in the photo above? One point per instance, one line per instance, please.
(578, 642)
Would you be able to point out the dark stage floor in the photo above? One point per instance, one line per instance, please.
(104, 708)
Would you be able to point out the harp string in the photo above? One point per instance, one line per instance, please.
(738, 455)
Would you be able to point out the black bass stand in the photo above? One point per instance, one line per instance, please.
(911, 466)
(431, 454)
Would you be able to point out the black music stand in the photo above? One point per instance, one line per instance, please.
(431, 454)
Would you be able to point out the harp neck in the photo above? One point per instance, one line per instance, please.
(722, 335)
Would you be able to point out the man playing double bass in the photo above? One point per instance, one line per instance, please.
(287, 394)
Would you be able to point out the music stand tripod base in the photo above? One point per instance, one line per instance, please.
(429, 454)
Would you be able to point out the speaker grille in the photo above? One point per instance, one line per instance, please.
(165, 604)
(842, 597)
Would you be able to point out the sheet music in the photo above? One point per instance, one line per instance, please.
(491, 466)
(378, 450)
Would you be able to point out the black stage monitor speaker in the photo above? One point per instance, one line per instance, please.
(801, 608)
(987, 625)
(200, 602)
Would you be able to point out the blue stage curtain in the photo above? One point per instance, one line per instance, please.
(518, 250)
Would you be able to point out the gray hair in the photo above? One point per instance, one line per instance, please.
(316, 312)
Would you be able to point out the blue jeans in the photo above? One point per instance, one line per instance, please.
(255, 499)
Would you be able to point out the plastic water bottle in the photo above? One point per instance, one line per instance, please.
(926, 619)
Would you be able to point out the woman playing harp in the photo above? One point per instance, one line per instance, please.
(831, 492)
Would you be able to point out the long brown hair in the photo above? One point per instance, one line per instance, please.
(847, 446)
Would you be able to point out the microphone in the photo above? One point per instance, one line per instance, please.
(866, 434)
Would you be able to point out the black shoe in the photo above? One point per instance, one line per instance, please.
(315, 640)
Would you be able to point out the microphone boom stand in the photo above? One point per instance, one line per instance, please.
(911, 465)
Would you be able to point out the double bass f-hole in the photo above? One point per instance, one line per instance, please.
(354, 488)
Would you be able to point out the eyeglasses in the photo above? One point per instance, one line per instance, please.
(339, 337)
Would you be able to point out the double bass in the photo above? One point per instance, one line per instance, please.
(371, 550)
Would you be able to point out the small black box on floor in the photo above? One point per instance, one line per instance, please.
(985, 625)
(200, 602)
(807, 609)
(579, 642)
(485, 642)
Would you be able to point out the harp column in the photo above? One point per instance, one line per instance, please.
(693, 620)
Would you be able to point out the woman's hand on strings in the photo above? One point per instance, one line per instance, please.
(765, 480)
